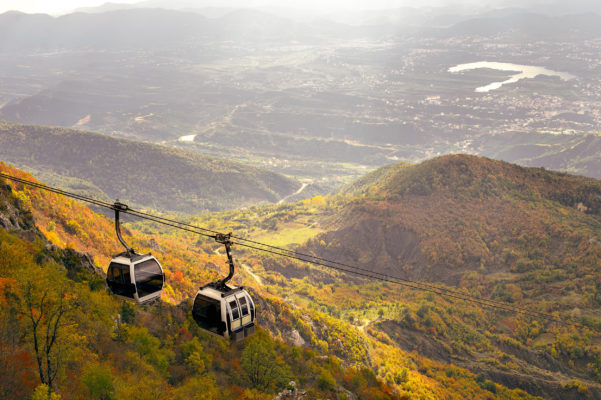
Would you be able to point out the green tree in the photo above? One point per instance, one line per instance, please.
(99, 382)
(128, 313)
(261, 366)
(198, 388)
(149, 348)
(194, 356)
(326, 380)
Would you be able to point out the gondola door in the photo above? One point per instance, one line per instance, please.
(245, 311)
(119, 280)
(234, 313)
(233, 309)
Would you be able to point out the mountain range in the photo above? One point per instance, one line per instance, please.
(150, 29)
(534, 26)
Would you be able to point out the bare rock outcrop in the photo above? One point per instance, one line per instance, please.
(291, 393)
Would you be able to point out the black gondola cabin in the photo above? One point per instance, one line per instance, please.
(225, 311)
(133, 276)
(137, 277)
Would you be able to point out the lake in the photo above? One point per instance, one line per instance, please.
(521, 72)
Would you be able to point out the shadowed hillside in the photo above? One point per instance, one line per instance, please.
(144, 174)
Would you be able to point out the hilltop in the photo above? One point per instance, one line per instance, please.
(143, 174)
(521, 235)
(450, 215)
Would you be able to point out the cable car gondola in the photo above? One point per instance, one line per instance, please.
(225, 310)
(133, 276)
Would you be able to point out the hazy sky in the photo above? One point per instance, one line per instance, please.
(51, 6)
(65, 6)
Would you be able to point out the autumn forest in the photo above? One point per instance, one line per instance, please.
(466, 221)
(403, 197)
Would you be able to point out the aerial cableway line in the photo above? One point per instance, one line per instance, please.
(315, 260)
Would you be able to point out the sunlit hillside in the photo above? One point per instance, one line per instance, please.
(524, 236)
(101, 348)
(346, 351)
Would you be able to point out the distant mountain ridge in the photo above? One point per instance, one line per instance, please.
(576, 154)
(146, 174)
(528, 24)
(108, 6)
(148, 28)
(117, 26)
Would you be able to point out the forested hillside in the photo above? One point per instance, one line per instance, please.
(336, 337)
(148, 175)
(63, 336)
(526, 236)
(451, 215)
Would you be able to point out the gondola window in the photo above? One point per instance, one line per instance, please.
(235, 312)
(209, 312)
(149, 278)
(243, 306)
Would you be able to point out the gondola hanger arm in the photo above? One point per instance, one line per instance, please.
(121, 207)
(225, 239)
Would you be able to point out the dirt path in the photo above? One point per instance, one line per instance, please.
(249, 271)
(366, 323)
(304, 185)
